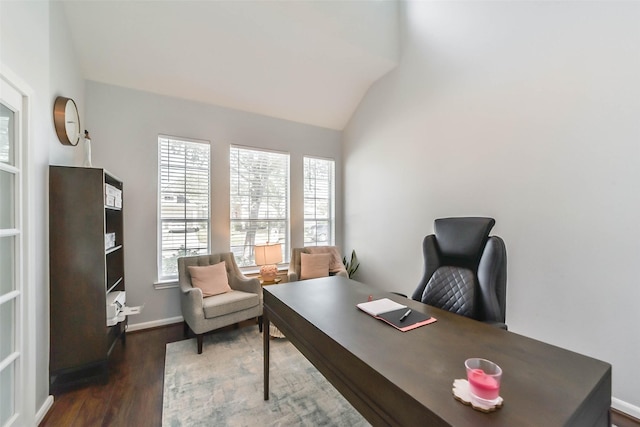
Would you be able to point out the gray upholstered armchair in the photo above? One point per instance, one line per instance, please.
(336, 267)
(242, 302)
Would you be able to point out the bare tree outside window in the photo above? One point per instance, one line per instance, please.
(259, 200)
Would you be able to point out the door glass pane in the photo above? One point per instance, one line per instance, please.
(6, 135)
(11, 395)
(7, 403)
(7, 325)
(7, 263)
(7, 199)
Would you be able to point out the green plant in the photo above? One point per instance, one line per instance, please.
(351, 265)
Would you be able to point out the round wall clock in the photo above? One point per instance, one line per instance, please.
(66, 120)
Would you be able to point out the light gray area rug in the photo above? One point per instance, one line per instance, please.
(223, 386)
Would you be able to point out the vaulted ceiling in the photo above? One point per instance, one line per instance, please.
(307, 61)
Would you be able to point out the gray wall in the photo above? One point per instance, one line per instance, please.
(34, 45)
(124, 126)
(526, 112)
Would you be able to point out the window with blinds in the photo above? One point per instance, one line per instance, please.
(184, 214)
(319, 202)
(259, 202)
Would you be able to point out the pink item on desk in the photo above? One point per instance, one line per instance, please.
(483, 385)
(484, 380)
(462, 394)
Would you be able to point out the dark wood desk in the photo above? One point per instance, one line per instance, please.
(405, 379)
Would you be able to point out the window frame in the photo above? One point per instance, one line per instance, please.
(284, 241)
(331, 219)
(162, 278)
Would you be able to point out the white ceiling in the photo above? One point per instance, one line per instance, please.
(305, 61)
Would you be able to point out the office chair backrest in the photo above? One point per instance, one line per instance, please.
(465, 269)
(461, 240)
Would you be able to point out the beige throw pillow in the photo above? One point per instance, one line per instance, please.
(335, 265)
(313, 266)
(212, 279)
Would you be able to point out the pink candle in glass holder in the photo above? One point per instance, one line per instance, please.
(483, 385)
(484, 379)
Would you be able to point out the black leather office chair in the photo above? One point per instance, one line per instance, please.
(465, 270)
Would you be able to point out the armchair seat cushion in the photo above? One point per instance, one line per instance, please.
(229, 302)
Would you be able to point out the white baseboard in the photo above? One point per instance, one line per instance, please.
(154, 323)
(625, 407)
(42, 412)
(48, 403)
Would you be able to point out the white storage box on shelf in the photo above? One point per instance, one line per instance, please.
(112, 196)
(109, 240)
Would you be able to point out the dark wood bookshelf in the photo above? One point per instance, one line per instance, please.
(82, 272)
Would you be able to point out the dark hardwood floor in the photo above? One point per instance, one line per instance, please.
(133, 395)
(622, 420)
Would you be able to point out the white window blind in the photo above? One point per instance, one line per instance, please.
(319, 202)
(259, 201)
(184, 202)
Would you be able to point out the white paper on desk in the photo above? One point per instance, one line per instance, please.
(380, 306)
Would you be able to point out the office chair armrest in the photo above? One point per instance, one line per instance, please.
(398, 293)
(492, 280)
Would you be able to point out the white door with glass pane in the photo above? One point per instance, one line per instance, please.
(11, 249)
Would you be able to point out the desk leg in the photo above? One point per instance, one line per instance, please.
(265, 339)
